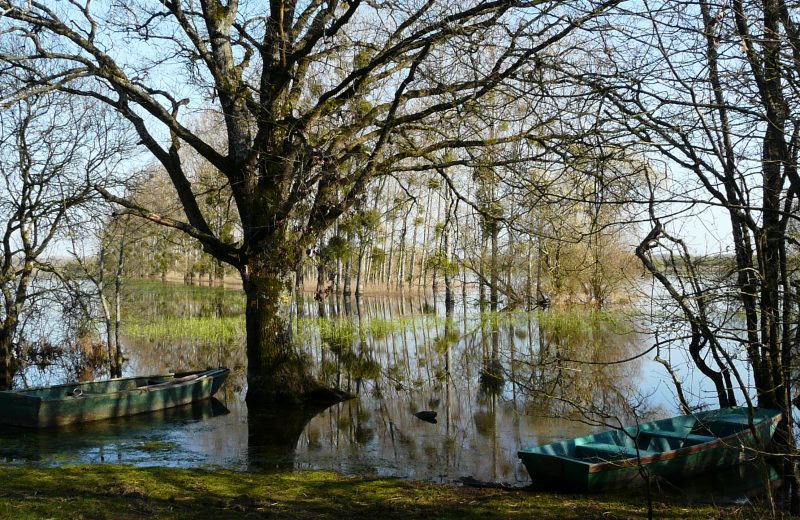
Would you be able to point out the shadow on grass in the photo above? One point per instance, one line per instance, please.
(121, 492)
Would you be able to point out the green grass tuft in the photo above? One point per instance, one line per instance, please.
(208, 329)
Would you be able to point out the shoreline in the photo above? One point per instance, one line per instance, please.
(373, 290)
(121, 492)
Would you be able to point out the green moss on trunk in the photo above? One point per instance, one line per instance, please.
(277, 371)
(6, 359)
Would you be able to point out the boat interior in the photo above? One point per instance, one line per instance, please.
(91, 387)
(651, 439)
(107, 387)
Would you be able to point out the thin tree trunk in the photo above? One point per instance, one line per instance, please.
(426, 240)
(493, 270)
(107, 315)
(529, 279)
(413, 257)
(277, 371)
(7, 362)
(359, 269)
(118, 309)
(319, 292)
(401, 254)
(448, 279)
(348, 274)
(449, 297)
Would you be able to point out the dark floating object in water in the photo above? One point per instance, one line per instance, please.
(427, 416)
(95, 400)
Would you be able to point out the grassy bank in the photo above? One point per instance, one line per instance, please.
(121, 492)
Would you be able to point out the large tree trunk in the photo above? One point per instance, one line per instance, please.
(277, 370)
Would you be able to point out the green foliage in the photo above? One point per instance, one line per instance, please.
(576, 325)
(381, 329)
(339, 248)
(370, 220)
(450, 337)
(361, 223)
(226, 235)
(215, 330)
(338, 334)
(362, 107)
(433, 184)
(153, 445)
(315, 88)
(493, 210)
(361, 58)
(440, 262)
(72, 270)
(377, 255)
(491, 379)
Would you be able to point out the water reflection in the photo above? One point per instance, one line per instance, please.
(157, 438)
(273, 434)
(496, 382)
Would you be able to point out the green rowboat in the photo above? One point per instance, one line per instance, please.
(670, 449)
(96, 400)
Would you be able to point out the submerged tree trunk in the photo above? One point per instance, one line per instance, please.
(274, 431)
(274, 368)
(277, 371)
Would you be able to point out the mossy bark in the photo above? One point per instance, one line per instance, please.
(6, 359)
(278, 371)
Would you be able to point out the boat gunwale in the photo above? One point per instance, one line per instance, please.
(596, 467)
(201, 375)
(686, 450)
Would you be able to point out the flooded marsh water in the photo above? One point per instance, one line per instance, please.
(497, 382)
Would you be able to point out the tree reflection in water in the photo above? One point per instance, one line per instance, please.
(496, 380)
(273, 434)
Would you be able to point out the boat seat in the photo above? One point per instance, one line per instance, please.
(735, 419)
(725, 426)
(610, 451)
(691, 437)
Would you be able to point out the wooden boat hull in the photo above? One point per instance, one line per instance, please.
(672, 449)
(97, 400)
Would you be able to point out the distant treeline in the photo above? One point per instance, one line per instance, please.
(413, 237)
